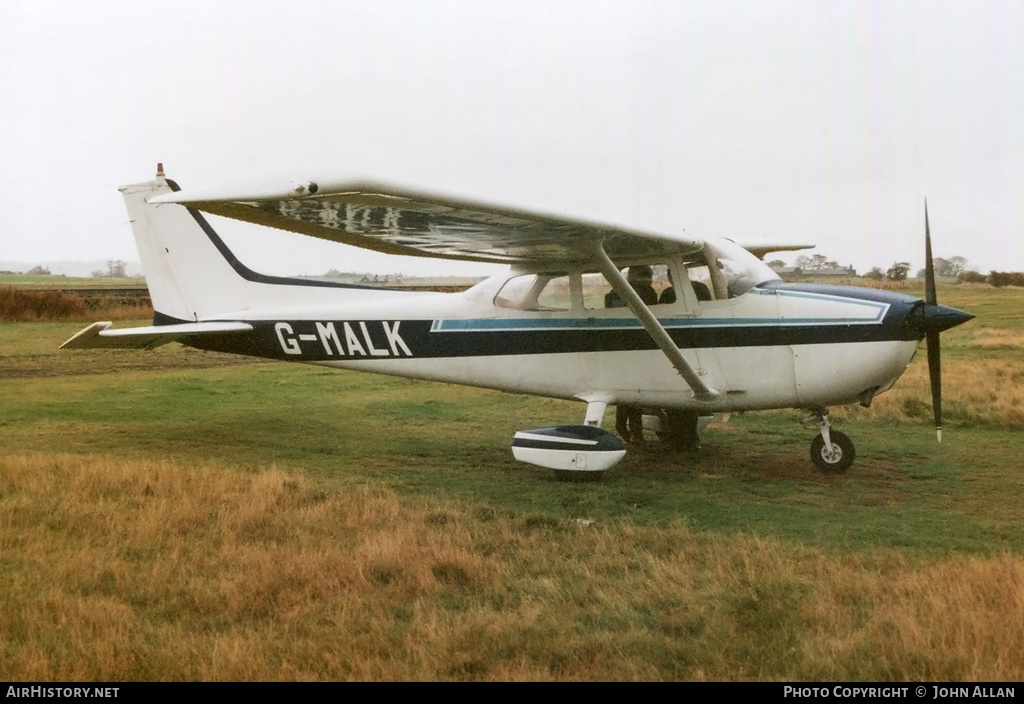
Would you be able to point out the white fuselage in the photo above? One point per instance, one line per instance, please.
(805, 369)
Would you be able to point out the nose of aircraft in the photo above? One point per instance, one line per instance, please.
(936, 318)
(931, 319)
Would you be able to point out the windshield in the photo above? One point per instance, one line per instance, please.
(740, 269)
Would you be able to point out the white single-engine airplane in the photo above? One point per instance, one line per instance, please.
(725, 333)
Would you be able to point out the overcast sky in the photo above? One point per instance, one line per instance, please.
(825, 122)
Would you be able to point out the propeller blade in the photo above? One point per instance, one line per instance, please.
(932, 337)
(935, 377)
(929, 266)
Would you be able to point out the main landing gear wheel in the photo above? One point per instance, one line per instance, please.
(839, 458)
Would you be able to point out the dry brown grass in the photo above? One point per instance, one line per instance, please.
(979, 390)
(117, 570)
(17, 305)
(20, 305)
(114, 309)
(989, 338)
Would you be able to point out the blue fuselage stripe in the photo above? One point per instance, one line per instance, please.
(327, 340)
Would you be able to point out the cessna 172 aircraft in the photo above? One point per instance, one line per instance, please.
(725, 334)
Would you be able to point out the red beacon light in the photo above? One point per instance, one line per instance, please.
(160, 170)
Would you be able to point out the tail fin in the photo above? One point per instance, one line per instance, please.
(193, 276)
(188, 276)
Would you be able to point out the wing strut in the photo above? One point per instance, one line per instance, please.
(701, 391)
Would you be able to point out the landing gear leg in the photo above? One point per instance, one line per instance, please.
(831, 451)
(595, 413)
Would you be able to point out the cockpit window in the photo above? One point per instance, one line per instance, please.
(700, 279)
(653, 282)
(736, 270)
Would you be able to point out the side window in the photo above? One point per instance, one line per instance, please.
(537, 292)
(595, 290)
(652, 282)
(663, 284)
(700, 278)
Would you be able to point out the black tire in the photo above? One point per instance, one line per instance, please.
(679, 430)
(844, 455)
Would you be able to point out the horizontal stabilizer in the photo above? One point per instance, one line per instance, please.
(98, 335)
(761, 249)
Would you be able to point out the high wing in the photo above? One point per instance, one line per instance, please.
(393, 220)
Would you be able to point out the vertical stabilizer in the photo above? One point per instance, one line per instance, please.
(188, 276)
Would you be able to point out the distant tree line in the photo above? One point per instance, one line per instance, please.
(898, 271)
(1006, 278)
(116, 269)
(955, 266)
(971, 277)
(817, 265)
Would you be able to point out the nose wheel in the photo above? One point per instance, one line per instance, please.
(831, 451)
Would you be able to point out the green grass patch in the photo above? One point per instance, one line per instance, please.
(436, 441)
(46, 281)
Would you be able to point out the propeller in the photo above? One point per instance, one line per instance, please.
(932, 335)
(934, 319)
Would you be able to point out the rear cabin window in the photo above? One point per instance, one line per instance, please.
(537, 292)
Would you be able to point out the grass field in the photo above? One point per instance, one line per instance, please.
(48, 281)
(175, 514)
